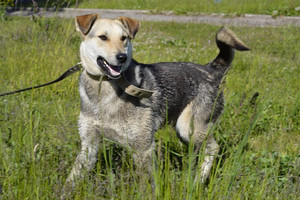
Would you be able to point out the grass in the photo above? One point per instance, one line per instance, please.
(281, 7)
(190, 7)
(39, 141)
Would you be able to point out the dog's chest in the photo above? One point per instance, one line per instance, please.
(119, 117)
(110, 105)
(101, 102)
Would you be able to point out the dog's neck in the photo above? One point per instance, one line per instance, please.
(96, 77)
(125, 85)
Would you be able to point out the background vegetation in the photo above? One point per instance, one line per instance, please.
(192, 7)
(259, 139)
(282, 7)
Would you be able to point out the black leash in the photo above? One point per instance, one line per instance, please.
(68, 73)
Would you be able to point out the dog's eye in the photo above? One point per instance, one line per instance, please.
(103, 37)
(123, 38)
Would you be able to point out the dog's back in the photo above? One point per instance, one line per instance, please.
(178, 83)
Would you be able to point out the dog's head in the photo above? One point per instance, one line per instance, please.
(106, 48)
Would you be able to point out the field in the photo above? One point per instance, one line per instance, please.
(259, 137)
(237, 7)
(190, 7)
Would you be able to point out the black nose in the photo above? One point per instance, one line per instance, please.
(121, 57)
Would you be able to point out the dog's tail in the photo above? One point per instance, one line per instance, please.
(227, 42)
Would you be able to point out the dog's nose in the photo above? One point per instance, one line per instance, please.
(121, 57)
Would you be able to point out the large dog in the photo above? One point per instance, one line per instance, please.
(127, 101)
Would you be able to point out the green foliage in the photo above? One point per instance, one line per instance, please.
(286, 11)
(47, 3)
(6, 2)
(3, 4)
(259, 135)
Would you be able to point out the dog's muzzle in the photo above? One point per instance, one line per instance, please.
(112, 71)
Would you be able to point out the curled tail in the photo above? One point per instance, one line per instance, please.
(227, 41)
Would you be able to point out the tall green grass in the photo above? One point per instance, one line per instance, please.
(259, 139)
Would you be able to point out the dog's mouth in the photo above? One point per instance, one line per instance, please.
(112, 71)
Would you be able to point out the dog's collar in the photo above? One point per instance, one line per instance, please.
(133, 90)
(126, 86)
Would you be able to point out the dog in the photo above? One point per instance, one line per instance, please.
(127, 101)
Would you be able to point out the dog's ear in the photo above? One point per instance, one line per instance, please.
(130, 24)
(84, 23)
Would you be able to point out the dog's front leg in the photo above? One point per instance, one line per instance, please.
(87, 157)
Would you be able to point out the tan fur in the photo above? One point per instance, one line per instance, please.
(114, 31)
(85, 22)
(130, 24)
(229, 37)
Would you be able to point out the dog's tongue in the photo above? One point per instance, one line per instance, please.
(115, 70)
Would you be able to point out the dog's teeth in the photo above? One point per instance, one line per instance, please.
(105, 63)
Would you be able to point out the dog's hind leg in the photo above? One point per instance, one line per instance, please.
(210, 152)
(192, 127)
